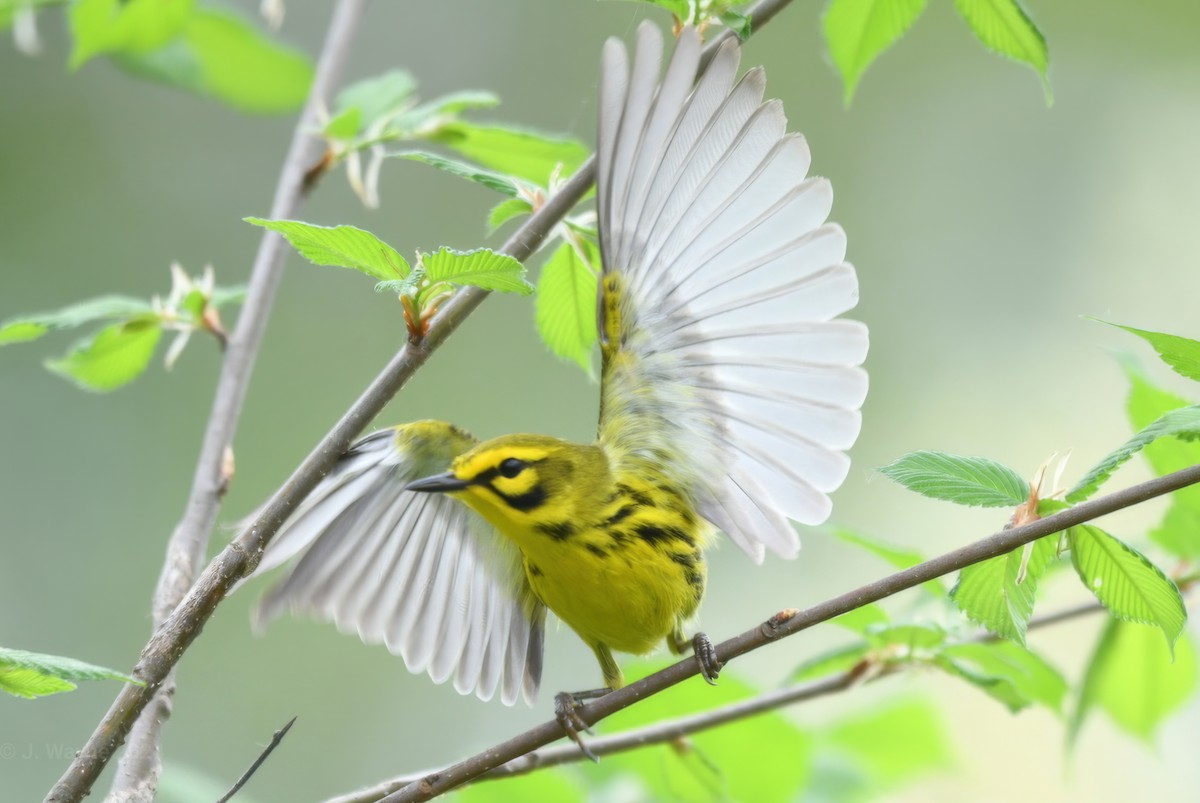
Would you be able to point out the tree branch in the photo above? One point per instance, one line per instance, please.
(258, 762)
(139, 769)
(181, 626)
(672, 729)
(790, 622)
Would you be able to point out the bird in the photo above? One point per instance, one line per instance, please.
(730, 392)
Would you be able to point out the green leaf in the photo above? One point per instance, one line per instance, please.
(31, 674)
(340, 247)
(916, 638)
(345, 124)
(493, 181)
(1012, 674)
(836, 662)
(124, 26)
(525, 154)
(1179, 531)
(31, 327)
(894, 742)
(1005, 28)
(507, 210)
(245, 69)
(375, 98)
(975, 481)
(1128, 584)
(480, 268)
(737, 22)
(1133, 677)
(1181, 353)
(1182, 423)
(566, 305)
(221, 55)
(114, 356)
(233, 294)
(989, 592)
(440, 111)
(857, 31)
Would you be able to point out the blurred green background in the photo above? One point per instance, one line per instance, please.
(983, 225)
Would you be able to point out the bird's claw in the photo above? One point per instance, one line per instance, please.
(566, 711)
(706, 657)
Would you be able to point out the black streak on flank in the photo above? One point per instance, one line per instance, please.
(559, 530)
(688, 562)
(596, 550)
(534, 571)
(660, 535)
(619, 516)
(637, 496)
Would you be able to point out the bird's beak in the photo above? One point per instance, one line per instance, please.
(437, 483)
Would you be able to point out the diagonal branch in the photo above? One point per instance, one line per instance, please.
(790, 622)
(180, 628)
(672, 729)
(139, 769)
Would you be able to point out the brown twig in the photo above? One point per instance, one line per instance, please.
(789, 623)
(137, 773)
(258, 762)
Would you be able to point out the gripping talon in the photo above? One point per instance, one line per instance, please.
(566, 711)
(706, 657)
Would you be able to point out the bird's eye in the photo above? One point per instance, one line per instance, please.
(511, 467)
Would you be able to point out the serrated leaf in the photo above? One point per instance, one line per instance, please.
(1181, 353)
(1014, 675)
(114, 356)
(1181, 423)
(31, 674)
(376, 97)
(1129, 585)
(896, 556)
(989, 594)
(858, 31)
(31, 327)
(1135, 679)
(124, 26)
(835, 662)
(566, 305)
(1005, 28)
(895, 741)
(340, 247)
(975, 481)
(507, 210)
(486, 178)
(526, 154)
(480, 268)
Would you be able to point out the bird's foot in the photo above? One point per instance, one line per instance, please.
(706, 657)
(566, 711)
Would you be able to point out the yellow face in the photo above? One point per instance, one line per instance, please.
(521, 483)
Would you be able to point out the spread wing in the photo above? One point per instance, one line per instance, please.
(420, 573)
(723, 355)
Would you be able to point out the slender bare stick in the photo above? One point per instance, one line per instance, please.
(258, 762)
(138, 771)
(790, 622)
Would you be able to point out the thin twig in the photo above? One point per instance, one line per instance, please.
(790, 622)
(183, 624)
(672, 729)
(138, 771)
(258, 762)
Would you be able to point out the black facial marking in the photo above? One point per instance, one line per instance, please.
(527, 501)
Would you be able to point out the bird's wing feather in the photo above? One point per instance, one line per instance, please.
(724, 358)
(420, 573)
